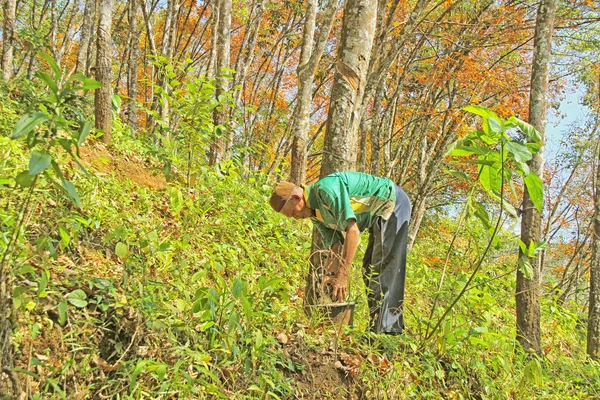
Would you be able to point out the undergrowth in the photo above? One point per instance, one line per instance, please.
(195, 291)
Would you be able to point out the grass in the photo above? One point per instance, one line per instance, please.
(146, 293)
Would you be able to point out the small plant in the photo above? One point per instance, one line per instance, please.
(55, 125)
(499, 157)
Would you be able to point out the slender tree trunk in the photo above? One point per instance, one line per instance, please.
(339, 153)
(527, 295)
(593, 331)
(8, 37)
(103, 95)
(212, 59)
(219, 143)
(85, 36)
(302, 111)
(134, 50)
(376, 132)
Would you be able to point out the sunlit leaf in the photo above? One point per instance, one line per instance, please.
(71, 192)
(535, 189)
(78, 298)
(53, 65)
(39, 162)
(519, 151)
(27, 123)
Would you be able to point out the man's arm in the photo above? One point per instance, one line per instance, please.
(339, 281)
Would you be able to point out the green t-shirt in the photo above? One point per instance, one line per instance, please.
(344, 195)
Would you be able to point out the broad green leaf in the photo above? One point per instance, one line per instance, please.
(27, 123)
(495, 125)
(522, 169)
(71, 192)
(91, 84)
(42, 283)
(504, 203)
(530, 132)
(523, 246)
(65, 238)
(53, 65)
(519, 151)
(39, 162)
(489, 177)
(122, 251)
(84, 131)
(525, 267)
(458, 174)
(247, 307)
(238, 288)
(48, 80)
(78, 76)
(535, 189)
(24, 179)
(491, 119)
(481, 162)
(78, 298)
(481, 213)
(461, 151)
(534, 148)
(161, 371)
(62, 312)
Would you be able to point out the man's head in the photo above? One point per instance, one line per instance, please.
(288, 199)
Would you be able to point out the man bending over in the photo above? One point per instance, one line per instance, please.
(341, 206)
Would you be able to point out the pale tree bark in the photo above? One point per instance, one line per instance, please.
(212, 59)
(528, 290)
(593, 330)
(8, 37)
(219, 143)
(134, 50)
(376, 121)
(309, 60)
(339, 152)
(87, 28)
(247, 49)
(103, 95)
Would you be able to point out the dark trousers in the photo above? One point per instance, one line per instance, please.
(384, 267)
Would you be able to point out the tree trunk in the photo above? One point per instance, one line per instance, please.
(247, 50)
(220, 142)
(339, 153)
(8, 37)
(593, 331)
(85, 36)
(376, 120)
(103, 95)
(310, 56)
(302, 111)
(134, 50)
(527, 295)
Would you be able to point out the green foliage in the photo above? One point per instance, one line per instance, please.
(211, 296)
(59, 123)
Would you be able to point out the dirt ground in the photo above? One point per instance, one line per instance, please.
(99, 159)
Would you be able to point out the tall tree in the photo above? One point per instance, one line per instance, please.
(339, 151)
(8, 38)
(85, 37)
(528, 289)
(219, 142)
(309, 60)
(593, 332)
(103, 95)
(134, 50)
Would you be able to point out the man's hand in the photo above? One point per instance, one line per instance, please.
(339, 285)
